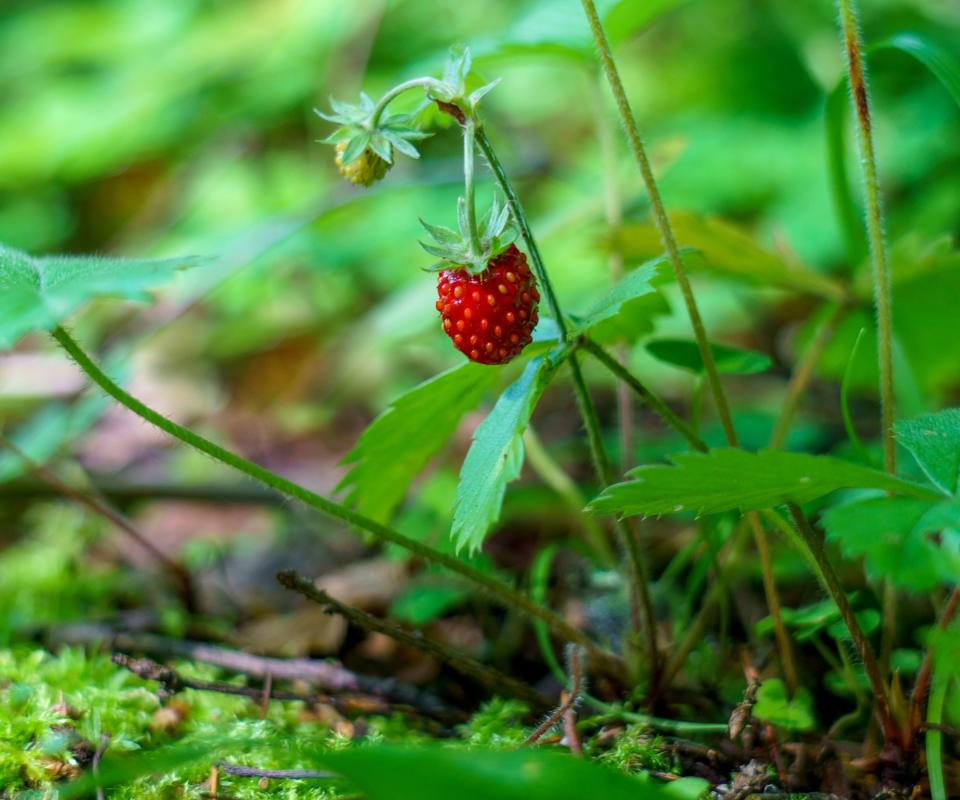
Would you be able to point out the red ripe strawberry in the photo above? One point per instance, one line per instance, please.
(490, 316)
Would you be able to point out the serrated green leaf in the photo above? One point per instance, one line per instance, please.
(730, 360)
(934, 441)
(775, 707)
(634, 285)
(496, 454)
(727, 250)
(393, 772)
(37, 294)
(399, 443)
(728, 479)
(895, 538)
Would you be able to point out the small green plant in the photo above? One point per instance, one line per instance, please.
(727, 488)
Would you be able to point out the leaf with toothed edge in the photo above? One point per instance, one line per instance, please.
(39, 293)
(728, 479)
(398, 444)
(496, 453)
(934, 442)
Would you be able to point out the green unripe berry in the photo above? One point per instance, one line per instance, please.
(365, 170)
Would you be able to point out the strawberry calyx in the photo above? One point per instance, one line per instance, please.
(455, 249)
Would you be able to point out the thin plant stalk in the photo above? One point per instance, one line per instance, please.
(415, 83)
(669, 241)
(882, 294)
(601, 464)
(879, 259)
(831, 581)
(664, 227)
(934, 748)
(501, 592)
(469, 135)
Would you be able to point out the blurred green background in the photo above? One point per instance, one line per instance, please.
(134, 127)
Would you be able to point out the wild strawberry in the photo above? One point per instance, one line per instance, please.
(490, 317)
(487, 296)
(365, 170)
(367, 139)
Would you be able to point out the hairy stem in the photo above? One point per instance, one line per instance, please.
(882, 294)
(831, 581)
(396, 91)
(503, 593)
(469, 136)
(660, 216)
(601, 464)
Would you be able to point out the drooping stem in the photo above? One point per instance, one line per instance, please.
(660, 217)
(469, 135)
(646, 394)
(831, 581)
(396, 91)
(504, 594)
(882, 294)
(588, 413)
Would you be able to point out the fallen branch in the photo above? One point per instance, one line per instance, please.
(173, 682)
(492, 678)
(328, 676)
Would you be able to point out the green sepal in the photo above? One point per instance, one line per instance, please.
(355, 147)
(454, 247)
